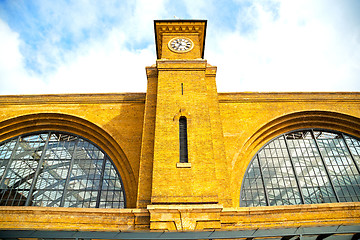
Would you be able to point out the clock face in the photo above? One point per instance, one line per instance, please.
(180, 44)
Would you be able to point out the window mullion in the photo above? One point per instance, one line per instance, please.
(101, 182)
(325, 167)
(262, 178)
(9, 163)
(295, 174)
(351, 155)
(66, 185)
(37, 172)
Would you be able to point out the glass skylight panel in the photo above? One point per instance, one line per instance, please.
(304, 167)
(57, 169)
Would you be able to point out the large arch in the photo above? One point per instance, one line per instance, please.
(286, 123)
(63, 122)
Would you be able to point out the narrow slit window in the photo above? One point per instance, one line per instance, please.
(183, 140)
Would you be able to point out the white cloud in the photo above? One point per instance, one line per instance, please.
(268, 46)
(100, 66)
(13, 75)
(199, 9)
(105, 66)
(140, 25)
(111, 63)
(302, 49)
(108, 62)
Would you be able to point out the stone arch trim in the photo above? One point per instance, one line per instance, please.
(283, 124)
(68, 123)
(182, 113)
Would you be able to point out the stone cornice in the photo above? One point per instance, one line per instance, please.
(174, 65)
(98, 98)
(241, 97)
(325, 214)
(151, 72)
(249, 97)
(88, 219)
(179, 218)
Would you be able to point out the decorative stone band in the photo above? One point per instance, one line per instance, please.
(185, 217)
(199, 217)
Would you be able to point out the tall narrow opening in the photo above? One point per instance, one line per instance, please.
(183, 139)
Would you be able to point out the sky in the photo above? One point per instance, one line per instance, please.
(88, 46)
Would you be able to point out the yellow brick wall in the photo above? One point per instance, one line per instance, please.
(171, 183)
(250, 120)
(112, 121)
(246, 124)
(147, 149)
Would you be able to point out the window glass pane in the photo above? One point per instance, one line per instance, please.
(340, 166)
(310, 169)
(308, 166)
(279, 177)
(253, 193)
(354, 146)
(57, 169)
(17, 181)
(53, 173)
(5, 154)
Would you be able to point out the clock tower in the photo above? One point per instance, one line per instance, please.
(183, 156)
(177, 39)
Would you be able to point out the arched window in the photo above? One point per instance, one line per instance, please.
(304, 167)
(55, 169)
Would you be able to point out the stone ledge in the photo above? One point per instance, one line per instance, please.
(87, 219)
(325, 214)
(183, 165)
(95, 98)
(252, 97)
(193, 64)
(179, 217)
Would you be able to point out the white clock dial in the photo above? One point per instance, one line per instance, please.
(180, 44)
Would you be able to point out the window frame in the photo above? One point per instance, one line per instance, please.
(183, 140)
(105, 159)
(256, 157)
